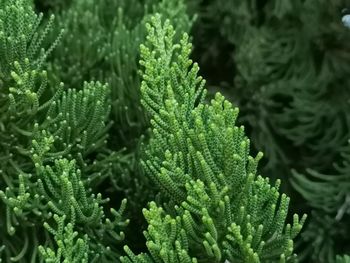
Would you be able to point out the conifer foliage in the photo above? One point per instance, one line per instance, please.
(47, 135)
(217, 207)
(329, 197)
(290, 61)
(113, 148)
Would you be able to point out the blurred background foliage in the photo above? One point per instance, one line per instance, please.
(286, 64)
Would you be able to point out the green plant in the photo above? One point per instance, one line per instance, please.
(329, 197)
(290, 61)
(50, 142)
(216, 208)
(96, 147)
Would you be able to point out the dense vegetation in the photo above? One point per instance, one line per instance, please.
(134, 131)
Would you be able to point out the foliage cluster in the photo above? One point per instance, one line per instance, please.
(113, 148)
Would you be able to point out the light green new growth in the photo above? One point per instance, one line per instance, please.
(200, 161)
(70, 248)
